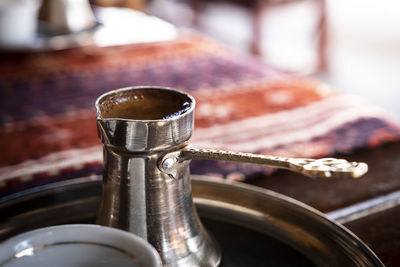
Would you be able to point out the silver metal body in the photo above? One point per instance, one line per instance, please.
(141, 199)
(146, 181)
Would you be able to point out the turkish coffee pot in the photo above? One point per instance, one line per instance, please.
(146, 180)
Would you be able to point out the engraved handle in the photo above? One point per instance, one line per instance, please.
(318, 168)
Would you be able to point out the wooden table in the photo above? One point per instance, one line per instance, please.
(369, 206)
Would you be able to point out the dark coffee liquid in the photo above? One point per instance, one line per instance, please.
(145, 104)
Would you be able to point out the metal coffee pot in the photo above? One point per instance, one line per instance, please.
(146, 180)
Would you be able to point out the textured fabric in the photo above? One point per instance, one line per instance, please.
(47, 118)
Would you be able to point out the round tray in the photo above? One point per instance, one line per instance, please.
(254, 226)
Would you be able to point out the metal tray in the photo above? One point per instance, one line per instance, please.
(254, 226)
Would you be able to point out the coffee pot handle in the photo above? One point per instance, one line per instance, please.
(316, 168)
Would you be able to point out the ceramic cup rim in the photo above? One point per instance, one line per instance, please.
(138, 249)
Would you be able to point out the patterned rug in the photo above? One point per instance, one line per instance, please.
(47, 118)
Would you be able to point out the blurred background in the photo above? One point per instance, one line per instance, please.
(352, 44)
(361, 46)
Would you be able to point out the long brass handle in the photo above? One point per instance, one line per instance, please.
(316, 168)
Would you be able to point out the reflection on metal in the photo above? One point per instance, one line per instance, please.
(317, 168)
(324, 242)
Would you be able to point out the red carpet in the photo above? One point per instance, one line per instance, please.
(47, 118)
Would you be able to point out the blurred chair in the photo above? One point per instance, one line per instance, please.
(259, 8)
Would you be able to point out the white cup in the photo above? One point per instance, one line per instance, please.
(78, 245)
